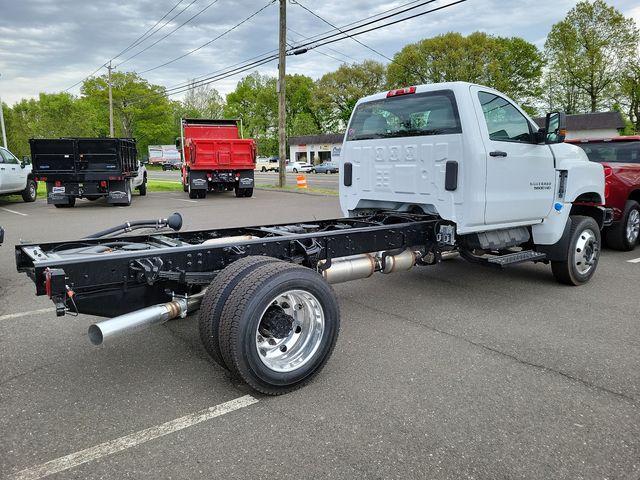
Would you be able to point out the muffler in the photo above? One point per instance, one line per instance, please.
(356, 267)
(144, 318)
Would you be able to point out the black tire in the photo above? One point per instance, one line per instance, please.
(215, 298)
(313, 170)
(193, 194)
(567, 271)
(30, 193)
(185, 187)
(295, 170)
(617, 236)
(243, 313)
(143, 188)
(263, 170)
(202, 193)
(93, 198)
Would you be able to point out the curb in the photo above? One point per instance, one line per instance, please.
(313, 194)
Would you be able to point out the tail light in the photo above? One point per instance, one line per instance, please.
(608, 172)
(401, 91)
(58, 183)
(103, 183)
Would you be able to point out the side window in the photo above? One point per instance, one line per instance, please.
(3, 153)
(504, 121)
(8, 156)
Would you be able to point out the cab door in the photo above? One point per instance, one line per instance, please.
(520, 181)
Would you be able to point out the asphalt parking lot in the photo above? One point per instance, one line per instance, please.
(446, 372)
(314, 180)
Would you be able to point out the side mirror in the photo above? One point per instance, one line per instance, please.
(25, 161)
(555, 127)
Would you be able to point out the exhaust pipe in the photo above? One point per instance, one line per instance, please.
(356, 267)
(144, 318)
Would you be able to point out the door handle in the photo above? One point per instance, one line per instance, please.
(498, 153)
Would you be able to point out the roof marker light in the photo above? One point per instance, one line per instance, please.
(401, 91)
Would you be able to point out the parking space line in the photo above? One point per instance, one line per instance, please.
(185, 200)
(9, 316)
(13, 211)
(635, 260)
(129, 441)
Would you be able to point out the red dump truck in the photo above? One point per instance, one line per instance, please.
(216, 158)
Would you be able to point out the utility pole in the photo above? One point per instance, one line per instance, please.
(282, 118)
(109, 67)
(4, 132)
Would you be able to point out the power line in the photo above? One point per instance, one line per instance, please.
(142, 38)
(333, 40)
(338, 28)
(212, 40)
(171, 32)
(266, 59)
(304, 37)
(134, 43)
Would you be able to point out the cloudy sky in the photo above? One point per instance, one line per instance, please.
(48, 45)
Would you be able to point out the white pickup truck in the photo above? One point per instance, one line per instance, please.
(473, 157)
(16, 177)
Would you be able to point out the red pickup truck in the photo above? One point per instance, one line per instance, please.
(620, 157)
(216, 158)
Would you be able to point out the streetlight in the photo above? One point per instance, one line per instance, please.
(4, 132)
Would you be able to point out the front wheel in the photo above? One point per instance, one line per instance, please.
(295, 170)
(278, 327)
(30, 193)
(582, 255)
(143, 188)
(263, 170)
(624, 234)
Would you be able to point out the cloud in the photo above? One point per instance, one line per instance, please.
(48, 46)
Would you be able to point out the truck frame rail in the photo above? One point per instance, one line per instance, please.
(113, 276)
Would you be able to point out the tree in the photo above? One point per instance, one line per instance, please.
(140, 110)
(337, 92)
(203, 101)
(587, 50)
(255, 102)
(51, 115)
(629, 91)
(511, 65)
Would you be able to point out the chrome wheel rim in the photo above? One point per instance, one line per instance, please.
(586, 251)
(32, 190)
(633, 226)
(290, 331)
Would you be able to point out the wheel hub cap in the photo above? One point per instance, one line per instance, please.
(586, 251)
(633, 226)
(290, 331)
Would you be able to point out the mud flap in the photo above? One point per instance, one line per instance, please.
(246, 179)
(117, 191)
(198, 180)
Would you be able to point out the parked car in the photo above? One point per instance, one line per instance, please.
(297, 167)
(1, 235)
(325, 167)
(620, 157)
(16, 177)
(172, 164)
(267, 164)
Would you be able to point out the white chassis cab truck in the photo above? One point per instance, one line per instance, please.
(471, 156)
(425, 171)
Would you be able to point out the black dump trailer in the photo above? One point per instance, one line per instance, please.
(88, 168)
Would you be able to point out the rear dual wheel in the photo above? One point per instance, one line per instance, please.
(271, 323)
(243, 192)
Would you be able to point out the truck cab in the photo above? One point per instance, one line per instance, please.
(473, 157)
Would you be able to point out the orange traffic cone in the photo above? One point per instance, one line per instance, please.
(301, 180)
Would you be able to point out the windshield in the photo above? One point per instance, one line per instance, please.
(613, 152)
(430, 113)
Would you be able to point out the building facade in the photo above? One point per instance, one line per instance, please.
(315, 149)
(591, 125)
